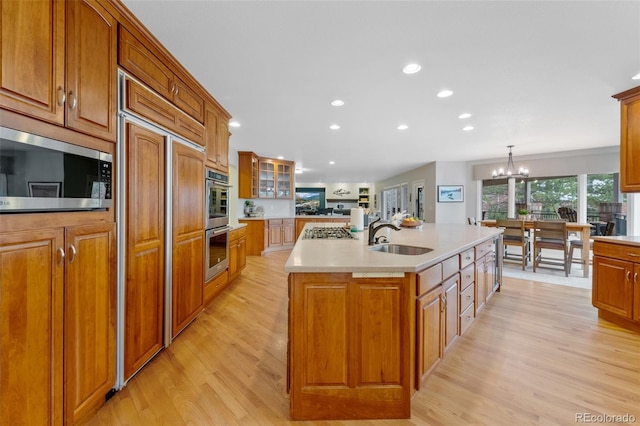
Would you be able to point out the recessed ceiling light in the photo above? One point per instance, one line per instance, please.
(337, 102)
(332, 162)
(411, 69)
(280, 157)
(464, 115)
(636, 77)
(334, 127)
(403, 127)
(445, 93)
(234, 124)
(298, 171)
(467, 128)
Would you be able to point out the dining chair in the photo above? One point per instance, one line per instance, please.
(550, 235)
(568, 214)
(514, 234)
(608, 231)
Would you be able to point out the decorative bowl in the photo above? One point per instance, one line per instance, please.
(410, 223)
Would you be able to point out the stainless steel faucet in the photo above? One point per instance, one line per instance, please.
(373, 230)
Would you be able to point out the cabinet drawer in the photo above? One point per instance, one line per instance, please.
(450, 266)
(149, 105)
(467, 276)
(275, 222)
(429, 278)
(616, 251)
(466, 318)
(288, 222)
(467, 258)
(467, 297)
(484, 248)
(234, 234)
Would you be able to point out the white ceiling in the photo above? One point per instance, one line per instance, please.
(538, 75)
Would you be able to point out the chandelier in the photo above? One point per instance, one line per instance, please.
(510, 171)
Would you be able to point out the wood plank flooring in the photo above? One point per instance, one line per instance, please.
(536, 355)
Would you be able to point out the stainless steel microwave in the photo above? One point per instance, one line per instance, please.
(39, 174)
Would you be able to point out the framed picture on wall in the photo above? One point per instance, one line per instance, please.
(450, 193)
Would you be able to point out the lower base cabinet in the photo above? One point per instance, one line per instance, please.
(350, 346)
(616, 283)
(57, 323)
(237, 252)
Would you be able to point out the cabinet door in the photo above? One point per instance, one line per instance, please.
(233, 258)
(91, 69)
(144, 247)
(612, 285)
(187, 281)
(636, 292)
(275, 233)
(284, 180)
(90, 317)
(288, 231)
(266, 179)
(188, 100)
(142, 63)
(31, 327)
(223, 144)
(451, 311)
(630, 144)
(33, 33)
(481, 284)
(242, 253)
(430, 337)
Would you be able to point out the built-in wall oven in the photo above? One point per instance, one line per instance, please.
(217, 223)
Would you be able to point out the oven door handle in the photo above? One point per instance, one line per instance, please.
(219, 183)
(218, 231)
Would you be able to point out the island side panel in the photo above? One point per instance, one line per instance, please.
(350, 348)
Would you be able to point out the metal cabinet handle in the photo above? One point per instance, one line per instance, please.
(635, 277)
(62, 97)
(628, 275)
(633, 254)
(74, 100)
(177, 89)
(468, 296)
(60, 256)
(73, 253)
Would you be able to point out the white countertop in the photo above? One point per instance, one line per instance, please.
(620, 239)
(349, 255)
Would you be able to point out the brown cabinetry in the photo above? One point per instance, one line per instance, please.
(187, 282)
(281, 233)
(137, 58)
(217, 138)
(70, 52)
(237, 251)
(616, 283)
(145, 103)
(144, 246)
(47, 305)
(629, 140)
(264, 177)
(350, 346)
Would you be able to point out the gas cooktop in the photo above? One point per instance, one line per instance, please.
(327, 233)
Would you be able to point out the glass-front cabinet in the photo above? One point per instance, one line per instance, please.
(261, 177)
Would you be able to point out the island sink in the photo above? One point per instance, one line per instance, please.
(400, 249)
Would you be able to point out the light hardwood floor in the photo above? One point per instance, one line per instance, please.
(536, 355)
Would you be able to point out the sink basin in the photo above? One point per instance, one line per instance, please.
(400, 249)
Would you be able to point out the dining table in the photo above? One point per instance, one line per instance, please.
(582, 229)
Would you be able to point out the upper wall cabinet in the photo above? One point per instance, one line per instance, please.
(217, 138)
(260, 177)
(141, 62)
(74, 87)
(629, 140)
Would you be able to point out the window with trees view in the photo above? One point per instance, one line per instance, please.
(543, 196)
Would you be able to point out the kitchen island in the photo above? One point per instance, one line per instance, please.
(366, 327)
